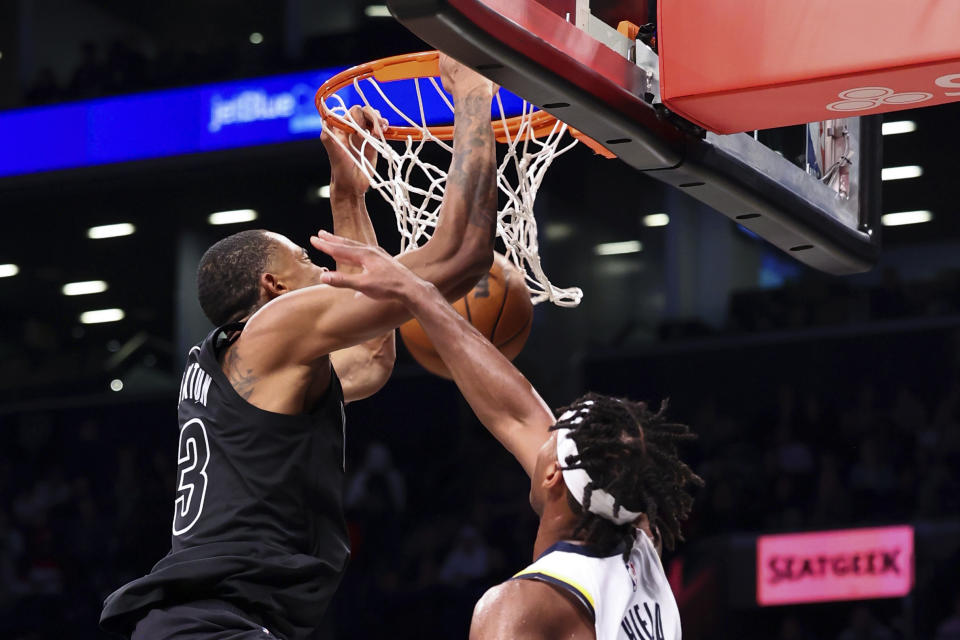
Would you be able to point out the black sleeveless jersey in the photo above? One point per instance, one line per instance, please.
(258, 515)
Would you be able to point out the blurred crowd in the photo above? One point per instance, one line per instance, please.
(820, 301)
(810, 464)
(122, 68)
(118, 67)
(86, 493)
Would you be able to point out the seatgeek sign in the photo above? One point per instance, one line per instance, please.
(849, 564)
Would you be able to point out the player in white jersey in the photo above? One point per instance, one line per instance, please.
(606, 480)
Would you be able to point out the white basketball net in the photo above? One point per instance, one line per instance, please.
(415, 187)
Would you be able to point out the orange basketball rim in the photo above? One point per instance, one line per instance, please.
(409, 66)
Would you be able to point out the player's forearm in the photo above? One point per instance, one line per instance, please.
(500, 396)
(350, 217)
(468, 216)
(376, 357)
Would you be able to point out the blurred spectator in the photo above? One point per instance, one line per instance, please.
(890, 299)
(792, 629)
(470, 559)
(864, 626)
(11, 552)
(377, 488)
(949, 629)
(45, 88)
(90, 77)
(833, 501)
(871, 478)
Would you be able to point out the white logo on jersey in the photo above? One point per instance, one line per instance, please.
(192, 458)
(634, 578)
(195, 384)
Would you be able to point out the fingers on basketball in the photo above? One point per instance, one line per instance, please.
(499, 307)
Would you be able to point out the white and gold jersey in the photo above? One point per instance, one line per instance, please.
(628, 600)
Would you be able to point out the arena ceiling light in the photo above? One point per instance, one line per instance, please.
(110, 231)
(618, 248)
(901, 173)
(235, 216)
(899, 126)
(558, 230)
(905, 217)
(99, 316)
(324, 191)
(377, 11)
(8, 270)
(83, 288)
(656, 220)
(256, 37)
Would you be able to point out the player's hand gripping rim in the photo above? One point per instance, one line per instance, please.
(345, 175)
(382, 277)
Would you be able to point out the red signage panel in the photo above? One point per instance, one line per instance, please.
(850, 564)
(737, 65)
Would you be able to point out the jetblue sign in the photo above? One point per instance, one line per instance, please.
(160, 123)
(214, 117)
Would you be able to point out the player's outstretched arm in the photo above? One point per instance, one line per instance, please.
(364, 368)
(500, 396)
(312, 322)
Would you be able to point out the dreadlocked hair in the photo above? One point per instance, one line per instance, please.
(631, 453)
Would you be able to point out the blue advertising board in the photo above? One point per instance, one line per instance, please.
(167, 123)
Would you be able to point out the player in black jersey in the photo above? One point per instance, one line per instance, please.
(259, 540)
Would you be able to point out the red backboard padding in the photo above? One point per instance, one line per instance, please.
(737, 65)
(610, 11)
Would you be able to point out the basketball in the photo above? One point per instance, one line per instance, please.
(499, 307)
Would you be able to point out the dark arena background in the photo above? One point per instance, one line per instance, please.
(822, 402)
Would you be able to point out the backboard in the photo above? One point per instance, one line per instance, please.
(569, 60)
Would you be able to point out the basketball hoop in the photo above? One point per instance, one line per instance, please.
(414, 186)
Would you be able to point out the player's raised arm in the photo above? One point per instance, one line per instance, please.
(314, 321)
(363, 368)
(498, 393)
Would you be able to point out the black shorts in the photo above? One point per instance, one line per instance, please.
(204, 620)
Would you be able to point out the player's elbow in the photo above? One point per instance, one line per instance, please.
(364, 381)
(381, 365)
(478, 265)
(463, 269)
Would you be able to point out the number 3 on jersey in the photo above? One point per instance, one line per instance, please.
(193, 454)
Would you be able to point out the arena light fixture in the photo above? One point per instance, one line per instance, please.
(901, 173)
(899, 126)
(377, 11)
(256, 37)
(656, 220)
(99, 316)
(110, 231)
(235, 216)
(8, 270)
(83, 288)
(558, 230)
(618, 248)
(905, 217)
(116, 384)
(324, 191)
